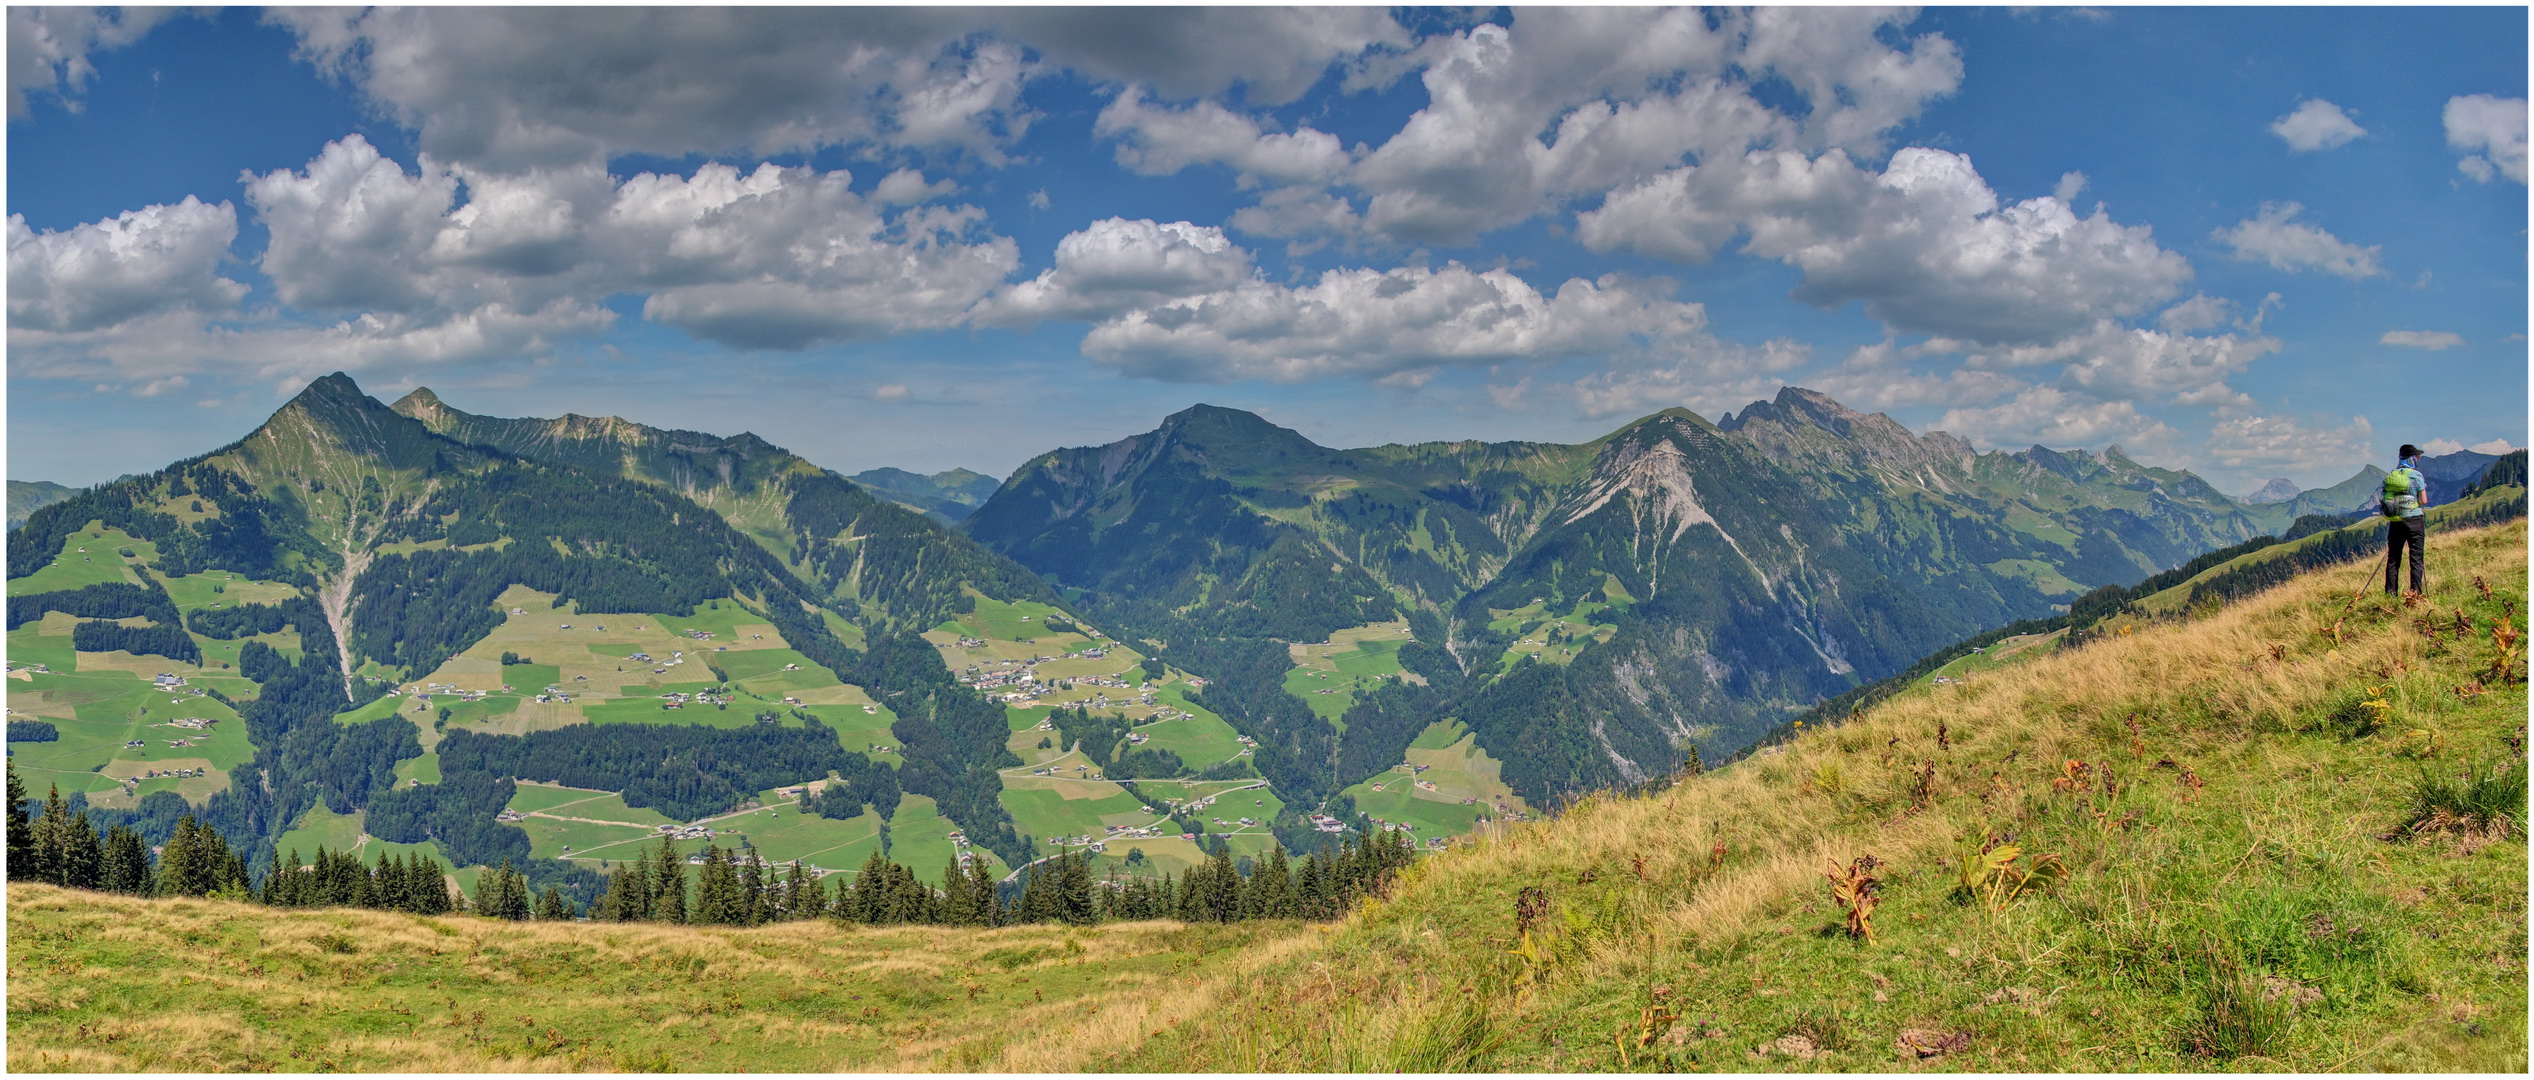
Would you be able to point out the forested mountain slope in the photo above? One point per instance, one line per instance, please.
(2217, 842)
(868, 555)
(1591, 611)
(327, 576)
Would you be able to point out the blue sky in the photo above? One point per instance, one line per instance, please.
(2251, 242)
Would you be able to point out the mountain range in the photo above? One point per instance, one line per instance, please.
(1582, 615)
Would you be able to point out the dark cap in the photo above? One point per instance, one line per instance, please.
(2409, 450)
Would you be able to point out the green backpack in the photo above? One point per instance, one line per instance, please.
(2399, 500)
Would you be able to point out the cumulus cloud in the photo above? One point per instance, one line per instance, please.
(1274, 54)
(2114, 362)
(1159, 141)
(133, 266)
(1116, 265)
(2270, 445)
(2050, 416)
(2494, 446)
(1376, 322)
(1572, 102)
(1177, 301)
(1925, 245)
(2273, 235)
(772, 259)
(2200, 312)
(1705, 374)
(2494, 127)
(49, 47)
(2316, 125)
(2431, 340)
(510, 89)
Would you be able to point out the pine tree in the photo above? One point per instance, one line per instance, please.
(1271, 887)
(127, 857)
(82, 858)
(21, 830)
(717, 899)
(668, 884)
(514, 894)
(1073, 890)
(754, 909)
(551, 907)
(796, 902)
(45, 862)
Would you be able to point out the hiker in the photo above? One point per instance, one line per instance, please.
(2405, 508)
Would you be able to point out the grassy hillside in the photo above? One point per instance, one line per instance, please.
(2247, 884)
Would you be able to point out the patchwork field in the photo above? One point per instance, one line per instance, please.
(98, 714)
(1555, 638)
(1459, 786)
(90, 556)
(1328, 676)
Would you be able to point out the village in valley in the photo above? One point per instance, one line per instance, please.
(129, 725)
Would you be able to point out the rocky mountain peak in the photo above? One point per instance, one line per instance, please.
(2276, 489)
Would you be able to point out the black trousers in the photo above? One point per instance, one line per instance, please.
(2400, 533)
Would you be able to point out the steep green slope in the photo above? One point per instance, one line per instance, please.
(1701, 581)
(869, 557)
(388, 548)
(2247, 869)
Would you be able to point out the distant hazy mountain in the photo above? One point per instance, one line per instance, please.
(2278, 489)
(28, 496)
(1698, 579)
(949, 495)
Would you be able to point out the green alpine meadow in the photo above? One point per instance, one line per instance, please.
(1266, 539)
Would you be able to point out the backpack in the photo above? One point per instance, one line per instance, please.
(2399, 499)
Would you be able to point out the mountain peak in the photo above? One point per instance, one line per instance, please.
(1215, 428)
(2276, 489)
(332, 393)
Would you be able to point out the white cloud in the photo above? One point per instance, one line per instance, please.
(2439, 447)
(2200, 312)
(1705, 375)
(1924, 245)
(2050, 416)
(890, 392)
(133, 266)
(1159, 141)
(1573, 102)
(2493, 126)
(2431, 340)
(2070, 183)
(1274, 53)
(155, 387)
(907, 186)
(2273, 235)
(508, 89)
(1178, 301)
(2316, 125)
(49, 47)
(774, 259)
(2114, 362)
(2494, 446)
(1115, 266)
(2270, 445)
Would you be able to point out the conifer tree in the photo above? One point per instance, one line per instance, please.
(753, 906)
(668, 884)
(21, 830)
(551, 907)
(1073, 889)
(127, 862)
(796, 886)
(81, 860)
(717, 900)
(515, 905)
(45, 862)
(1270, 894)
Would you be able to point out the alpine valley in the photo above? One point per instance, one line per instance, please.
(549, 642)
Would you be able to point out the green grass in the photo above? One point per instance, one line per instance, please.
(97, 712)
(72, 568)
(320, 827)
(1201, 739)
